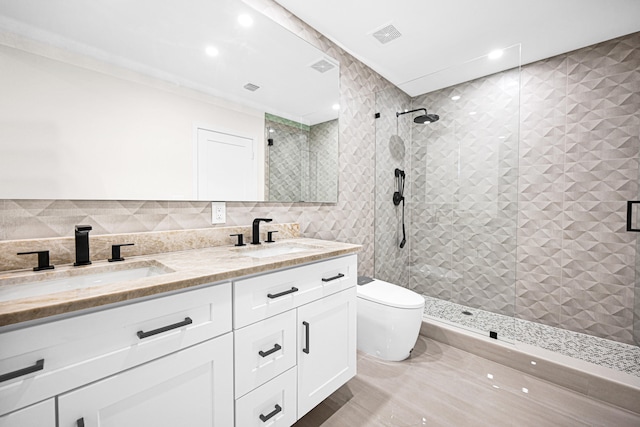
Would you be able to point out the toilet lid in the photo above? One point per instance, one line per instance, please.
(389, 294)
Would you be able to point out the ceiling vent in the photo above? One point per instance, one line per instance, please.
(387, 34)
(251, 87)
(322, 66)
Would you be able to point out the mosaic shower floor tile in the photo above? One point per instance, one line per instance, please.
(611, 354)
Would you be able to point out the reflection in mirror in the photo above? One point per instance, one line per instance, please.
(302, 160)
(115, 110)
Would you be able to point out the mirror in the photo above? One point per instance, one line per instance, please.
(145, 100)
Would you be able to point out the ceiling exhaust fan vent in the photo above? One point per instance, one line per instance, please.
(387, 34)
(322, 66)
(251, 87)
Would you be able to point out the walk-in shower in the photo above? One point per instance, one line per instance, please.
(515, 208)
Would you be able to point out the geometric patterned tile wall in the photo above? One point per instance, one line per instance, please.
(601, 174)
(464, 183)
(323, 167)
(288, 158)
(580, 144)
(393, 141)
(562, 191)
(350, 220)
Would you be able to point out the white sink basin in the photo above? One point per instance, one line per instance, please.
(268, 250)
(35, 285)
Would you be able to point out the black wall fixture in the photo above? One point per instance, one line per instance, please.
(398, 196)
(630, 204)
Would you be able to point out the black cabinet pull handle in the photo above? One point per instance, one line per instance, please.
(290, 291)
(268, 352)
(39, 366)
(338, 276)
(185, 322)
(80, 422)
(306, 339)
(630, 204)
(271, 414)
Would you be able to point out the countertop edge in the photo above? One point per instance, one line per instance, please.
(64, 303)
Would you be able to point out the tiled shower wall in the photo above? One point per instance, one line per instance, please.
(562, 192)
(393, 142)
(302, 162)
(579, 151)
(286, 158)
(323, 167)
(349, 220)
(465, 188)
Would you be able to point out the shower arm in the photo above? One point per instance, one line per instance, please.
(398, 114)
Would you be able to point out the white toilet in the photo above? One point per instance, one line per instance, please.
(389, 319)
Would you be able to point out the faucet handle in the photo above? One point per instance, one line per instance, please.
(240, 239)
(83, 228)
(43, 260)
(270, 237)
(115, 252)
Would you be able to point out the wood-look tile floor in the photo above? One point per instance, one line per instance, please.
(440, 385)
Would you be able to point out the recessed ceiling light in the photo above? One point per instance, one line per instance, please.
(336, 106)
(212, 51)
(473, 113)
(455, 97)
(495, 54)
(245, 20)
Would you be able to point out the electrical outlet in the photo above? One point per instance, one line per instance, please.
(218, 213)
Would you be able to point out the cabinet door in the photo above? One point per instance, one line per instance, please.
(41, 414)
(192, 387)
(326, 347)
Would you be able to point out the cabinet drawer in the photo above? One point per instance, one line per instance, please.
(264, 350)
(84, 348)
(272, 404)
(259, 297)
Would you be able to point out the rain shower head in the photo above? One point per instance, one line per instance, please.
(423, 118)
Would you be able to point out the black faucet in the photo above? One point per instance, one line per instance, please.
(255, 238)
(82, 245)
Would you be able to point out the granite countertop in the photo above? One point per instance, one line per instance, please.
(180, 270)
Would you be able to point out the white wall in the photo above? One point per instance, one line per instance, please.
(69, 132)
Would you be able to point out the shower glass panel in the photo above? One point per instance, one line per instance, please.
(461, 195)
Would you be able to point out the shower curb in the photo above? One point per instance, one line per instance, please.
(598, 382)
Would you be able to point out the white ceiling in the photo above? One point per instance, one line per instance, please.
(439, 35)
(167, 40)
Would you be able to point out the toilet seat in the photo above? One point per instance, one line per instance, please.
(385, 293)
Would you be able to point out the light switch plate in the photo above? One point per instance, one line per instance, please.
(218, 212)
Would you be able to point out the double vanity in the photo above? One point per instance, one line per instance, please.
(217, 336)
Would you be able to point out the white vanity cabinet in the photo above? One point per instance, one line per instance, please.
(327, 347)
(123, 351)
(41, 414)
(295, 339)
(189, 388)
(262, 350)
